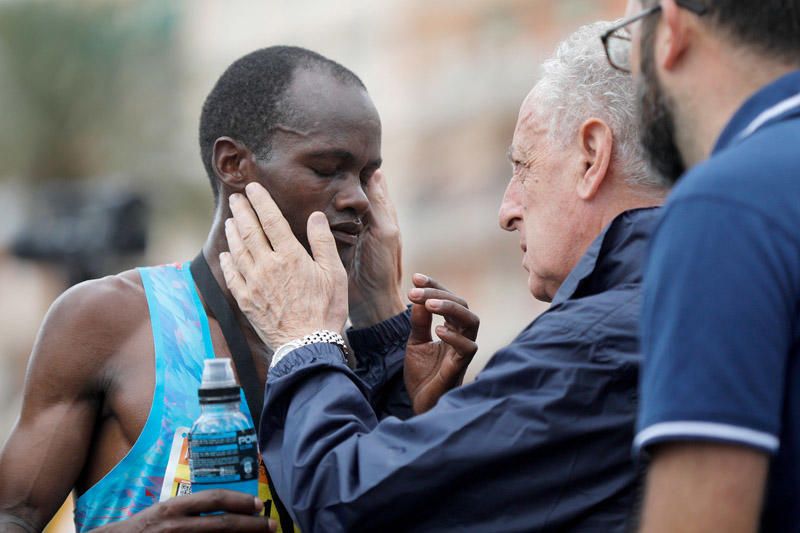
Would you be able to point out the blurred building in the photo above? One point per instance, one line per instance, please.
(447, 77)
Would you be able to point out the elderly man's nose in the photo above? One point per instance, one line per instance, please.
(510, 209)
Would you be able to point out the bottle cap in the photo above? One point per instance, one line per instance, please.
(218, 374)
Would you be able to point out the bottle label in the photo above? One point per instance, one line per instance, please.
(228, 457)
(177, 479)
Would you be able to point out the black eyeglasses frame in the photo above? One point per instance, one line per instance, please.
(694, 6)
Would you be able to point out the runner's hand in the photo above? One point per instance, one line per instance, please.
(183, 514)
(431, 367)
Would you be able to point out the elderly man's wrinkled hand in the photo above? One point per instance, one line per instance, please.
(375, 293)
(284, 292)
(432, 368)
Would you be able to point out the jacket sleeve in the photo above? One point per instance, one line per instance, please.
(497, 453)
(380, 352)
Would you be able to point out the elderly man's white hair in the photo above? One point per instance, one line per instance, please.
(578, 83)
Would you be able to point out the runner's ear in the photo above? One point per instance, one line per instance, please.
(232, 162)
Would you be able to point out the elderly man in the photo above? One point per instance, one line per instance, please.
(541, 439)
(720, 411)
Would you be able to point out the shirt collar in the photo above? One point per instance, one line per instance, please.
(614, 258)
(764, 107)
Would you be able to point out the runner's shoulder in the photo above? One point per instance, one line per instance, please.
(83, 331)
(102, 308)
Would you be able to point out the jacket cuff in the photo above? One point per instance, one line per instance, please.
(380, 339)
(307, 363)
(318, 354)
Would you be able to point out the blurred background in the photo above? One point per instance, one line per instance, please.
(100, 169)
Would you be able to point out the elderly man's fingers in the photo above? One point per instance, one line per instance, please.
(383, 187)
(421, 320)
(272, 220)
(234, 279)
(375, 191)
(240, 253)
(456, 316)
(378, 194)
(247, 223)
(322, 243)
(420, 296)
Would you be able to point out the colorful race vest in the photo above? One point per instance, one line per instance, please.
(156, 468)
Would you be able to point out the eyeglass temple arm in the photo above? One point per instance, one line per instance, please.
(696, 7)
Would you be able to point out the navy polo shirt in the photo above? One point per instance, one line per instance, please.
(721, 307)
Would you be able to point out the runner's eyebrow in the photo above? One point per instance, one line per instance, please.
(333, 152)
(344, 155)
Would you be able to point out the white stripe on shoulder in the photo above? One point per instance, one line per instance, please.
(769, 114)
(709, 430)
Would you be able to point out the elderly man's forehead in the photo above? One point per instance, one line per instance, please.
(533, 116)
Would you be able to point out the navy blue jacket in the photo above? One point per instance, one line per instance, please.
(540, 441)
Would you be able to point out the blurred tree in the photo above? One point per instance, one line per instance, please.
(87, 88)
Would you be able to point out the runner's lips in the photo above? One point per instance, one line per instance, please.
(347, 232)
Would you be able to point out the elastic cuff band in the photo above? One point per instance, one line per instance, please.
(391, 332)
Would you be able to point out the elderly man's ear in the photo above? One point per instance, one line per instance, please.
(233, 164)
(596, 144)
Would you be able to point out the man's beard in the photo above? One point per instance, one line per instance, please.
(656, 120)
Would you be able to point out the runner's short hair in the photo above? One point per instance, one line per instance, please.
(248, 99)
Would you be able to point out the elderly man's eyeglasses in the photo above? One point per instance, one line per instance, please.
(617, 40)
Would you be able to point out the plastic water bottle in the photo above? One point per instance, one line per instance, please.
(223, 447)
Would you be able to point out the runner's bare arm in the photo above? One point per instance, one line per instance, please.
(48, 446)
(75, 359)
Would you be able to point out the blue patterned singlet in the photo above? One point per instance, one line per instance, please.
(155, 468)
